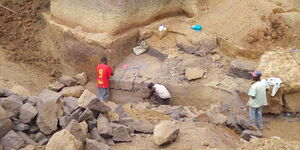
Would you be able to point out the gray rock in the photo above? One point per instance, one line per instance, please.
(56, 86)
(241, 68)
(142, 48)
(86, 115)
(12, 141)
(76, 130)
(165, 132)
(48, 95)
(218, 119)
(92, 123)
(104, 127)
(70, 104)
(246, 134)
(115, 125)
(81, 78)
(91, 101)
(95, 145)
(43, 142)
(96, 136)
(33, 128)
(5, 123)
(64, 121)
(194, 73)
(21, 127)
(140, 126)
(33, 100)
(74, 91)
(48, 114)
(27, 113)
(120, 134)
(26, 138)
(67, 80)
(76, 114)
(245, 124)
(6, 93)
(12, 105)
(40, 137)
(110, 142)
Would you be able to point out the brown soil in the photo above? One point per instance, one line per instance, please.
(20, 33)
(144, 114)
(270, 144)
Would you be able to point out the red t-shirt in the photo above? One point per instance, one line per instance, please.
(103, 75)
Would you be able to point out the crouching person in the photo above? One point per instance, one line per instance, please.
(159, 92)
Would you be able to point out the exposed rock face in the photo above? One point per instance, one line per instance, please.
(12, 105)
(5, 123)
(275, 103)
(165, 132)
(12, 141)
(117, 16)
(48, 114)
(27, 113)
(272, 67)
(199, 44)
(241, 68)
(74, 91)
(64, 140)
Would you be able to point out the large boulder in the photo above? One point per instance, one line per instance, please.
(5, 93)
(87, 114)
(275, 103)
(5, 123)
(64, 140)
(165, 132)
(241, 68)
(56, 86)
(12, 141)
(120, 134)
(91, 101)
(26, 138)
(27, 113)
(96, 136)
(292, 103)
(104, 127)
(70, 104)
(33, 100)
(74, 91)
(95, 145)
(12, 105)
(81, 78)
(48, 114)
(75, 129)
(48, 95)
(67, 80)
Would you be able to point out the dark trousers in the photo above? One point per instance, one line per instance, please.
(157, 99)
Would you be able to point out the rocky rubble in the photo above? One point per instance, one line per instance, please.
(65, 116)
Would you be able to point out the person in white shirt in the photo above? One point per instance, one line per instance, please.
(159, 92)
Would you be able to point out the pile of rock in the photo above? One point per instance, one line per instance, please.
(64, 116)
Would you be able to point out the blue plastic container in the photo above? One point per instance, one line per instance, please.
(197, 27)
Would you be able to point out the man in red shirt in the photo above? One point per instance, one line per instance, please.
(104, 72)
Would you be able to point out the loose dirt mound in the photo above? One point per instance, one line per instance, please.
(20, 32)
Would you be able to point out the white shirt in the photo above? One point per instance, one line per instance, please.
(161, 91)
